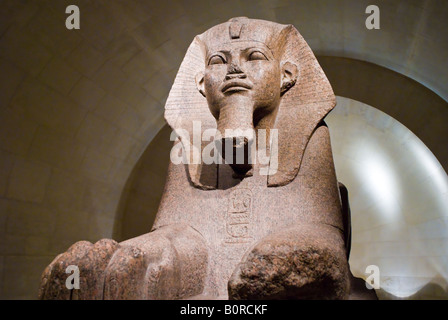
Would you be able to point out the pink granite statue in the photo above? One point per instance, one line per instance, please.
(253, 227)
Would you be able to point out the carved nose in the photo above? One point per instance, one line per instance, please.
(239, 75)
(234, 72)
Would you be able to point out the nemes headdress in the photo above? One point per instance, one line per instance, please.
(301, 108)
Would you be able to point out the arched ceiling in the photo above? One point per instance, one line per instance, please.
(412, 104)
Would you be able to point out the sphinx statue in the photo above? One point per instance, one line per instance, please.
(272, 229)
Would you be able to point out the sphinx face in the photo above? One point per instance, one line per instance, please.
(241, 78)
(242, 84)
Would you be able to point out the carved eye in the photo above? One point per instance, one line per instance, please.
(216, 60)
(257, 55)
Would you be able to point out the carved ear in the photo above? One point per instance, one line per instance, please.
(289, 76)
(200, 82)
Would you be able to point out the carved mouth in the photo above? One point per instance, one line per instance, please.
(235, 86)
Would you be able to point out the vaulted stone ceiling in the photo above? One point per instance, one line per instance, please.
(79, 107)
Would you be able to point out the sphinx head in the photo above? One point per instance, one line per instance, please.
(248, 72)
(244, 80)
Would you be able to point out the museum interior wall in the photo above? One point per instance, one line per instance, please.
(84, 146)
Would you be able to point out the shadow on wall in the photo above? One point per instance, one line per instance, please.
(144, 188)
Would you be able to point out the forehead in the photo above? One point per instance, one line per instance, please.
(237, 45)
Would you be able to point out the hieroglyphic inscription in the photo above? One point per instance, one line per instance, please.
(238, 218)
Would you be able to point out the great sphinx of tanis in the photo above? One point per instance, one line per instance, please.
(239, 228)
